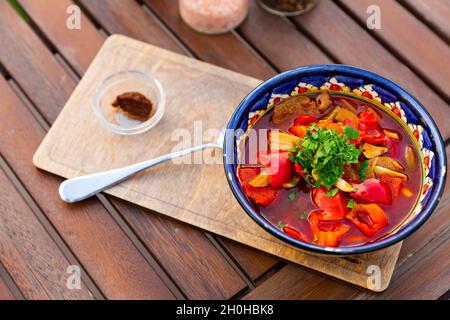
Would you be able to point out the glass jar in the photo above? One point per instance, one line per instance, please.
(213, 16)
(287, 7)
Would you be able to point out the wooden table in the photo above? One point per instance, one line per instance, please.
(125, 252)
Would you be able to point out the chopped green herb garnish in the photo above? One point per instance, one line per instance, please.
(323, 153)
(281, 225)
(304, 215)
(332, 192)
(363, 170)
(292, 196)
(351, 204)
(351, 132)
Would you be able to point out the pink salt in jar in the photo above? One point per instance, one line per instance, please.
(213, 16)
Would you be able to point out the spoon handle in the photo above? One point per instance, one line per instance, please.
(80, 188)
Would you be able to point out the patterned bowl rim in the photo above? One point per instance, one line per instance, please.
(401, 94)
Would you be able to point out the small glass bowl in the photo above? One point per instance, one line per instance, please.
(128, 81)
(284, 8)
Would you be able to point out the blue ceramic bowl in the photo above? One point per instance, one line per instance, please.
(381, 93)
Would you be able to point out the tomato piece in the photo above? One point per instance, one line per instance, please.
(294, 233)
(299, 131)
(395, 183)
(247, 174)
(393, 147)
(334, 208)
(368, 218)
(278, 166)
(262, 196)
(305, 120)
(298, 168)
(368, 118)
(375, 138)
(369, 128)
(372, 191)
(327, 233)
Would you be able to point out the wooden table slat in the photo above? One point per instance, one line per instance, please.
(32, 75)
(219, 279)
(426, 275)
(5, 293)
(410, 39)
(95, 239)
(352, 45)
(28, 253)
(279, 40)
(254, 262)
(50, 16)
(294, 282)
(185, 253)
(226, 50)
(435, 12)
(127, 17)
(102, 248)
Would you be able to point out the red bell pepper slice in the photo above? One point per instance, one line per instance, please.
(369, 218)
(368, 118)
(292, 232)
(262, 196)
(335, 208)
(395, 183)
(327, 233)
(298, 168)
(305, 120)
(278, 166)
(372, 191)
(369, 128)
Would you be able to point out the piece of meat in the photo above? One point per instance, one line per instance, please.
(289, 107)
(351, 172)
(301, 104)
(323, 101)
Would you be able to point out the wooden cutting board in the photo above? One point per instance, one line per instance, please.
(193, 193)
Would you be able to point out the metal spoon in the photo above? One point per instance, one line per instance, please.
(80, 188)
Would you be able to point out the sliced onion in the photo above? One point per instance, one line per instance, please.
(344, 185)
(381, 170)
(410, 158)
(392, 134)
(371, 151)
(282, 141)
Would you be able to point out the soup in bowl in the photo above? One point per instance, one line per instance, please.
(334, 159)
